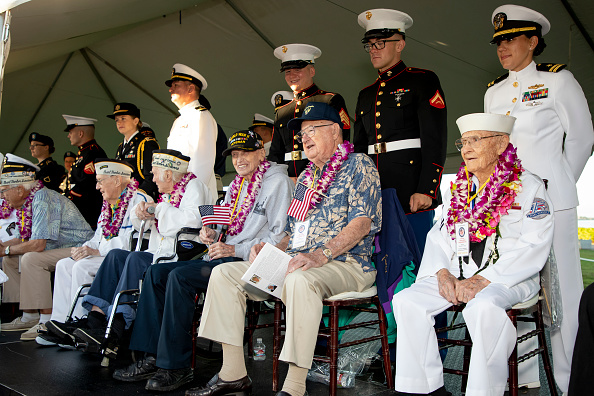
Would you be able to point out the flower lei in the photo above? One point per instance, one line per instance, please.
(253, 189)
(25, 213)
(176, 195)
(340, 155)
(498, 196)
(111, 220)
(5, 210)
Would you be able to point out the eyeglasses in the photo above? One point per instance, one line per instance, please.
(36, 145)
(378, 45)
(310, 131)
(2, 192)
(101, 181)
(471, 140)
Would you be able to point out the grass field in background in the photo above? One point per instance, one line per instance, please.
(587, 266)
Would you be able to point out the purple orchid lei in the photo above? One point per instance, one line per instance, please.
(498, 197)
(25, 213)
(111, 220)
(177, 194)
(253, 189)
(339, 156)
(5, 210)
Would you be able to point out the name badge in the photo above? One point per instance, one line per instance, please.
(300, 235)
(462, 240)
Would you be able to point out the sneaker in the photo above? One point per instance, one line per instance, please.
(90, 340)
(32, 333)
(140, 370)
(18, 324)
(47, 339)
(65, 331)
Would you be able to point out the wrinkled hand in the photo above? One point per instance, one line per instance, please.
(306, 261)
(419, 201)
(207, 235)
(255, 250)
(79, 253)
(468, 288)
(141, 212)
(220, 250)
(447, 285)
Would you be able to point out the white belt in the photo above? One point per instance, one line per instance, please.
(385, 147)
(296, 155)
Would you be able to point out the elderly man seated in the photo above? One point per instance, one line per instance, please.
(180, 195)
(331, 244)
(259, 197)
(486, 251)
(49, 225)
(120, 194)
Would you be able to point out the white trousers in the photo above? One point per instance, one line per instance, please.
(418, 364)
(69, 276)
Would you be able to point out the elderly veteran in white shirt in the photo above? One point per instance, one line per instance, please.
(120, 195)
(507, 216)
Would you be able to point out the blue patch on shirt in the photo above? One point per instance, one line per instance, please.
(539, 209)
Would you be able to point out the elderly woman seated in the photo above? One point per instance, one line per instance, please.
(486, 251)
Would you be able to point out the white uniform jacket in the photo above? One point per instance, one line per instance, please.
(524, 245)
(547, 105)
(172, 219)
(122, 241)
(194, 133)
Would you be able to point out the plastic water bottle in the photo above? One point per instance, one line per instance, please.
(259, 350)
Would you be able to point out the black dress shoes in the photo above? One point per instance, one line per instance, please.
(167, 380)
(283, 393)
(141, 370)
(217, 386)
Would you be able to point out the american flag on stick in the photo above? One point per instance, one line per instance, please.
(300, 203)
(214, 214)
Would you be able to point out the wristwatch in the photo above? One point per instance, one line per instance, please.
(7, 251)
(327, 252)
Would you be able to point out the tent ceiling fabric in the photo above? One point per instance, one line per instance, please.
(144, 38)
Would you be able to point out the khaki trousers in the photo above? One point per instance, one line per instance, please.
(31, 286)
(223, 317)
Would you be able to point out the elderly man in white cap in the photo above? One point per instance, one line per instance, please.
(48, 226)
(194, 132)
(263, 126)
(486, 251)
(121, 193)
(297, 64)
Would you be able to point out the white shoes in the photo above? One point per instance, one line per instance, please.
(18, 324)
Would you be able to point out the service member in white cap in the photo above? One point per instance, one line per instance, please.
(50, 173)
(181, 194)
(263, 126)
(49, 226)
(459, 264)
(401, 120)
(281, 98)
(121, 192)
(194, 132)
(81, 132)
(554, 137)
(297, 64)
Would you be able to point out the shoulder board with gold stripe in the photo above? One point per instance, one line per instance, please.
(200, 108)
(550, 67)
(498, 80)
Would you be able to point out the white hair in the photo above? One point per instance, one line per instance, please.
(28, 185)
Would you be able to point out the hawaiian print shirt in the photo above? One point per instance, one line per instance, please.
(355, 192)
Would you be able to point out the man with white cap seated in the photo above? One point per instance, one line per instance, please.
(194, 132)
(263, 126)
(297, 64)
(81, 132)
(49, 225)
(121, 192)
(486, 251)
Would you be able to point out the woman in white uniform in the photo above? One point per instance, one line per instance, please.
(553, 134)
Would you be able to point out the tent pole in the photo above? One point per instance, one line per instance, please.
(578, 23)
(42, 103)
(254, 28)
(125, 77)
(98, 76)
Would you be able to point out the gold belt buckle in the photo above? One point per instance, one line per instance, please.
(379, 148)
(296, 155)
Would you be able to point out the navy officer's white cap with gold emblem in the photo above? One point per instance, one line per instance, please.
(112, 167)
(261, 120)
(281, 98)
(74, 121)
(17, 170)
(512, 20)
(171, 159)
(486, 122)
(296, 56)
(181, 72)
(381, 23)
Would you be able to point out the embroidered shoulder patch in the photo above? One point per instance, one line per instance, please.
(437, 101)
(344, 117)
(89, 168)
(539, 209)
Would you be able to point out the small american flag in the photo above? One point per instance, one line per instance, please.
(300, 203)
(214, 214)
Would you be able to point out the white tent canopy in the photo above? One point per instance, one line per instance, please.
(77, 56)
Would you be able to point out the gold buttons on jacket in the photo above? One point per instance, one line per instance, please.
(431, 191)
(514, 100)
(507, 113)
(411, 162)
(295, 137)
(378, 125)
(280, 126)
(361, 112)
(296, 110)
(383, 84)
(380, 93)
(434, 180)
(377, 114)
(295, 146)
(378, 103)
(515, 84)
(379, 136)
(298, 102)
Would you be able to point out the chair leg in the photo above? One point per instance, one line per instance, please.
(466, 362)
(385, 346)
(252, 319)
(278, 310)
(546, 360)
(513, 365)
(333, 350)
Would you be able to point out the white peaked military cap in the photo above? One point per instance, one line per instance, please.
(486, 122)
(261, 120)
(383, 23)
(512, 20)
(17, 170)
(296, 56)
(74, 121)
(112, 167)
(181, 72)
(281, 98)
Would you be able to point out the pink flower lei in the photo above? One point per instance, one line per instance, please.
(112, 221)
(177, 194)
(5, 210)
(340, 155)
(498, 196)
(253, 189)
(25, 213)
